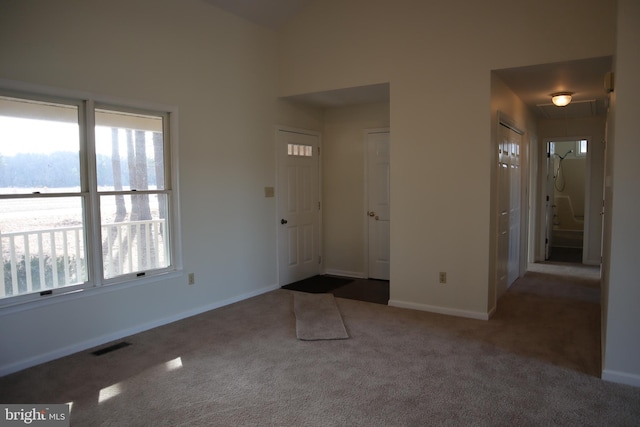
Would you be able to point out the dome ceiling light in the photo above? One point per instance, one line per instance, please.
(561, 99)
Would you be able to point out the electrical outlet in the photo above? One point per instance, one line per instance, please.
(192, 278)
(443, 277)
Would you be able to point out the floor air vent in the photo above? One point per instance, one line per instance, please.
(111, 348)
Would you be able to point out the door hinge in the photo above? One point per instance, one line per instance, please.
(318, 151)
(318, 205)
(547, 198)
(319, 259)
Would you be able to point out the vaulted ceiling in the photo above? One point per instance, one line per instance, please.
(270, 13)
(533, 84)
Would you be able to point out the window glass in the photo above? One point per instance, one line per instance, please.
(134, 233)
(43, 244)
(582, 147)
(39, 147)
(62, 221)
(299, 150)
(129, 151)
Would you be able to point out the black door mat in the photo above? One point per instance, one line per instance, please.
(318, 284)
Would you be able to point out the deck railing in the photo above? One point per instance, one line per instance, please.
(38, 260)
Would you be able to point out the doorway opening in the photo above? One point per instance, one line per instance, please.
(568, 199)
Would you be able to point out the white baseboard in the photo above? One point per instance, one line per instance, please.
(491, 312)
(440, 310)
(621, 377)
(344, 273)
(94, 342)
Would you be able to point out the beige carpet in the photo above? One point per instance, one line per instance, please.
(317, 317)
(536, 363)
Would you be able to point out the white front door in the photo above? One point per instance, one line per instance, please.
(378, 209)
(298, 206)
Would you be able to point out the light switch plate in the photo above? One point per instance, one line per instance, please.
(269, 192)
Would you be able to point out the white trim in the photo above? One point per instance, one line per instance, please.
(39, 90)
(77, 293)
(505, 120)
(365, 142)
(86, 102)
(440, 310)
(84, 345)
(345, 273)
(621, 377)
(492, 312)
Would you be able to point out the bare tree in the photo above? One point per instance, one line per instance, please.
(140, 207)
(158, 158)
(121, 209)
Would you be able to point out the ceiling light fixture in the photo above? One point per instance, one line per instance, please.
(560, 99)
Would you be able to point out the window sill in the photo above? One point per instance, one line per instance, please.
(75, 294)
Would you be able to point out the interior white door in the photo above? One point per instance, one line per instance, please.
(509, 202)
(515, 187)
(379, 206)
(298, 206)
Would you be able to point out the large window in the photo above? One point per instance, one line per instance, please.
(85, 195)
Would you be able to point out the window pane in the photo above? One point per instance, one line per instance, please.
(129, 151)
(39, 147)
(583, 146)
(43, 244)
(134, 233)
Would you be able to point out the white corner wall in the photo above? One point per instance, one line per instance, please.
(621, 255)
(437, 59)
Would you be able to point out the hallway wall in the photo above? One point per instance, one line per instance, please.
(438, 61)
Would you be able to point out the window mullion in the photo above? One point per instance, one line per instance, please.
(91, 197)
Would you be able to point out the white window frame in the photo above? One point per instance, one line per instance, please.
(578, 151)
(87, 103)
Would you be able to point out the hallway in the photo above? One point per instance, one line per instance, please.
(553, 314)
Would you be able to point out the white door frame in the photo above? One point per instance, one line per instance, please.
(587, 190)
(278, 194)
(365, 209)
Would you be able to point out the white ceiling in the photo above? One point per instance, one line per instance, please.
(585, 78)
(348, 96)
(533, 84)
(270, 13)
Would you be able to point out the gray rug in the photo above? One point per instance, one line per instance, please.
(318, 317)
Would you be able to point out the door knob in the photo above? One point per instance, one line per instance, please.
(283, 221)
(372, 214)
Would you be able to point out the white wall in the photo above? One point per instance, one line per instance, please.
(343, 162)
(594, 129)
(437, 59)
(296, 115)
(621, 254)
(221, 74)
